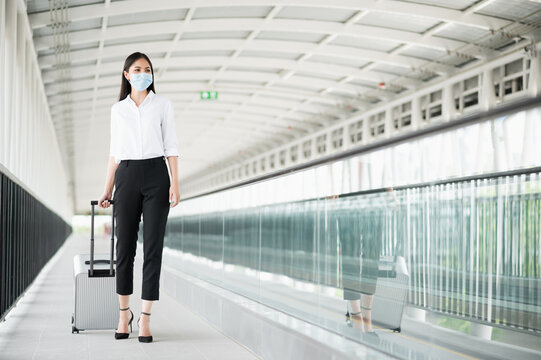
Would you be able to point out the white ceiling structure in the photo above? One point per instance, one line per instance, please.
(282, 69)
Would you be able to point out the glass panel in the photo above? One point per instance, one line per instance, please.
(336, 245)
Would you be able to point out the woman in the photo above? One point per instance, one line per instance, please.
(360, 239)
(360, 235)
(142, 135)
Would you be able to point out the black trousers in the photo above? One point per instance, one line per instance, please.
(141, 186)
(360, 237)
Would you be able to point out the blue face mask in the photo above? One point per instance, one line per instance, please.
(141, 81)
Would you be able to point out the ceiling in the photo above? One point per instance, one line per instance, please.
(282, 69)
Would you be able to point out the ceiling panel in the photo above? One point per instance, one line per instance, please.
(274, 65)
(365, 43)
(412, 23)
(463, 32)
(455, 4)
(221, 12)
(146, 17)
(315, 13)
(510, 9)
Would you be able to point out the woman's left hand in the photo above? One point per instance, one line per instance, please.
(174, 196)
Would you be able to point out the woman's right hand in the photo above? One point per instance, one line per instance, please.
(103, 202)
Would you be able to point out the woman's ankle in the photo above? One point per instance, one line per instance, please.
(125, 315)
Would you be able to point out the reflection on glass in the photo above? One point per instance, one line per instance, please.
(466, 251)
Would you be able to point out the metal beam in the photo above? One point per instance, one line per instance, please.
(87, 12)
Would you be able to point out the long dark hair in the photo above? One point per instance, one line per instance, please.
(125, 86)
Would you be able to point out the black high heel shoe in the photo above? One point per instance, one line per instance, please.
(145, 339)
(349, 320)
(124, 335)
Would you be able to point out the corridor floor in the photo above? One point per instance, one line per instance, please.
(39, 327)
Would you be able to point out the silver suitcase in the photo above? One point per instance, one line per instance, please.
(391, 293)
(96, 301)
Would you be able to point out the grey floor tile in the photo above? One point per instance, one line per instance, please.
(40, 326)
(16, 355)
(223, 351)
(60, 354)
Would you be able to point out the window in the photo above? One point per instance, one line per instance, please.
(356, 132)
(282, 156)
(293, 153)
(321, 144)
(401, 115)
(377, 124)
(431, 106)
(511, 78)
(466, 93)
(337, 138)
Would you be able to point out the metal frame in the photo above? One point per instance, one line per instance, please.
(505, 109)
(265, 101)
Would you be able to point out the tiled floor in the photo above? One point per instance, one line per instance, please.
(40, 326)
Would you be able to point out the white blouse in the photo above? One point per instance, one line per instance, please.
(143, 132)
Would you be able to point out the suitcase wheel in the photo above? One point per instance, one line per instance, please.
(73, 328)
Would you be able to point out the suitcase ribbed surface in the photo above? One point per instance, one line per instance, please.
(389, 301)
(390, 297)
(96, 301)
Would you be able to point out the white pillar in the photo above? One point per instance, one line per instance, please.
(534, 81)
(31, 123)
(40, 140)
(328, 142)
(332, 185)
(34, 127)
(529, 155)
(346, 185)
(366, 130)
(389, 128)
(18, 90)
(2, 80)
(313, 148)
(286, 159)
(10, 53)
(27, 103)
(487, 96)
(416, 112)
(346, 142)
(447, 103)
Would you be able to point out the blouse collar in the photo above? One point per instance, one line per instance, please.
(149, 97)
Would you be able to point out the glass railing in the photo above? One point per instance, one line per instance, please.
(471, 247)
(467, 248)
(478, 257)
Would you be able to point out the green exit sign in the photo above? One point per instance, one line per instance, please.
(205, 95)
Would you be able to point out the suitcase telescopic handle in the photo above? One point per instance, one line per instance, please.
(111, 271)
(95, 202)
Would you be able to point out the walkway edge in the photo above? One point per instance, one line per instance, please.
(268, 333)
